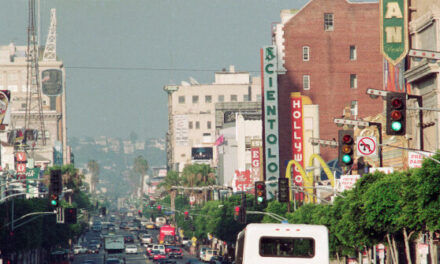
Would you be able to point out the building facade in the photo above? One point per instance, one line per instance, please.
(13, 77)
(191, 115)
(330, 52)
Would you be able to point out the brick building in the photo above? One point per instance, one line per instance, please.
(331, 53)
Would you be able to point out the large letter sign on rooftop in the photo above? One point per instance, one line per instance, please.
(394, 29)
(271, 137)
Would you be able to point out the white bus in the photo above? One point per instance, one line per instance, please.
(282, 244)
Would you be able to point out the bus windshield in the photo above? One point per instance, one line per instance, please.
(295, 247)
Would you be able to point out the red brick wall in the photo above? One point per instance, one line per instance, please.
(329, 66)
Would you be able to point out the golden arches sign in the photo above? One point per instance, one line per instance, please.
(308, 177)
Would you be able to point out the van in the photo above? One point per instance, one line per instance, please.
(202, 252)
(209, 253)
(161, 248)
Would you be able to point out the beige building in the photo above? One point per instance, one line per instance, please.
(423, 73)
(13, 77)
(191, 115)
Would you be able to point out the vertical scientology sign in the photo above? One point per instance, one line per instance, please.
(272, 169)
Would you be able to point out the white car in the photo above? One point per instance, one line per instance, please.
(79, 250)
(131, 249)
(146, 239)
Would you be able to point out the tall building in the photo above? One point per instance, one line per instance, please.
(13, 77)
(329, 50)
(191, 115)
(423, 72)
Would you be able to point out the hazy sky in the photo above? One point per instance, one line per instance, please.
(119, 54)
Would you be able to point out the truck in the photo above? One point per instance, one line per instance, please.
(114, 248)
(167, 235)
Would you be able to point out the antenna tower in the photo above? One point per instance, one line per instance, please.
(34, 103)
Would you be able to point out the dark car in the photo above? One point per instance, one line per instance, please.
(218, 260)
(92, 249)
(166, 261)
(128, 238)
(175, 252)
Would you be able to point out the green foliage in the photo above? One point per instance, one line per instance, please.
(198, 175)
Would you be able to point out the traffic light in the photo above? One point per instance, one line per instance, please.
(237, 210)
(70, 215)
(186, 215)
(140, 213)
(346, 147)
(283, 190)
(260, 192)
(54, 200)
(159, 208)
(56, 182)
(396, 114)
(103, 211)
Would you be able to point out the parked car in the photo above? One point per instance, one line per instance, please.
(186, 241)
(159, 247)
(202, 252)
(131, 249)
(218, 260)
(209, 253)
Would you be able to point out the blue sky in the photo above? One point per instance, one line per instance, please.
(119, 54)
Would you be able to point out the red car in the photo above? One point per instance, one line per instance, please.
(157, 255)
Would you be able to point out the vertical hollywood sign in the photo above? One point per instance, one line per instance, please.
(394, 29)
(271, 137)
(297, 137)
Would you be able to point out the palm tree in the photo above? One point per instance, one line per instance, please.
(172, 179)
(141, 167)
(198, 175)
(93, 167)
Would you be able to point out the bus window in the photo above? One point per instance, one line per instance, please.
(239, 248)
(295, 247)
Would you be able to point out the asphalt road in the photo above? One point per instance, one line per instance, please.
(138, 258)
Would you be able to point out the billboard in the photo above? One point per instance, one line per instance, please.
(271, 135)
(52, 82)
(394, 29)
(201, 153)
(181, 130)
(297, 126)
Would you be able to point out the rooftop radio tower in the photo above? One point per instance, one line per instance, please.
(34, 103)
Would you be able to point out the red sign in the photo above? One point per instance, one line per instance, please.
(255, 159)
(297, 138)
(20, 156)
(242, 181)
(21, 168)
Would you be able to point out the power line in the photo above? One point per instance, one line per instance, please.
(147, 69)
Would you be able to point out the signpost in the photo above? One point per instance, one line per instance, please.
(366, 146)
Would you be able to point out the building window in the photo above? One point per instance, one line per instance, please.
(306, 82)
(197, 125)
(353, 81)
(195, 99)
(208, 99)
(190, 125)
(23, 106)
(181, 99)
(258, 97)
(209, 124)
(246, 98)
(353, 53)
(233, 98)
(306, 53)
(221, 98)
(328, 22)
(354, 108)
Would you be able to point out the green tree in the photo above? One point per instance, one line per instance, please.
(197, 175)
(172, 179)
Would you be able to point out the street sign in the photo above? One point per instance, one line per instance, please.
(366, 146)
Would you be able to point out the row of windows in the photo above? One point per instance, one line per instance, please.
(306, 53)
(220, 98)
(353, 82)
(196, 125)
